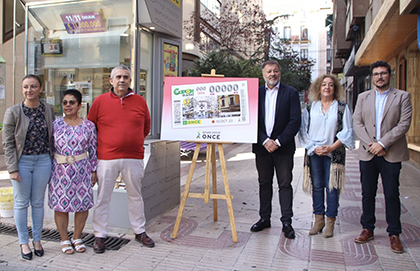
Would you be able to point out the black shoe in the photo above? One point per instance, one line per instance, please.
(289, 232)
(99, 245)
(40, 252)
(260, 225)
(27, 256)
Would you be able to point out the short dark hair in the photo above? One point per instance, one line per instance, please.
(33, 76)
(270, 62)
(75, 93)
(380, 63)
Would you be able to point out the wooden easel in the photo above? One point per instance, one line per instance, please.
(210, 169)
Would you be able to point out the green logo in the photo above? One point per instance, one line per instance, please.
(185, 92)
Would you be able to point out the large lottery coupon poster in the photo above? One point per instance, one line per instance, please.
(210, 109)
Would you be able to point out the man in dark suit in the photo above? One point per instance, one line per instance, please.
(381, 119)
(279, 118)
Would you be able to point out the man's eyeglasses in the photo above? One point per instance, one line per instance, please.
(382, 74)
(71, 102)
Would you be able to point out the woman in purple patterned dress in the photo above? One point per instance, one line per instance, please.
(73, 171)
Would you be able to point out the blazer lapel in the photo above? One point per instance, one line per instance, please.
(279, 99)
(262, 105)
(370, 102)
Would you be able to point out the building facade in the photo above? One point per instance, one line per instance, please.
(367, 31)
(302, 24)
(76, 43)
(203, 31)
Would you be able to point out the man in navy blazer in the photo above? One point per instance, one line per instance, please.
(279, 118)
(381, 119)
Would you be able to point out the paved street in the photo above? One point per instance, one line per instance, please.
(203, 244)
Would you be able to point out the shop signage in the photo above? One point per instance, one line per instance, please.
(170, 60)
(51, 47)
(177, 2)
(80, 23)
(166, 14)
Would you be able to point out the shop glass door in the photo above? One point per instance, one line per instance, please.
(75, 44)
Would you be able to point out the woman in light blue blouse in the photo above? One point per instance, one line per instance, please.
(325, 132)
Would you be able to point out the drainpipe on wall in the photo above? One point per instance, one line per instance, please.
(418, 28)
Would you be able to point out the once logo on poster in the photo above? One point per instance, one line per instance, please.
(208, 135)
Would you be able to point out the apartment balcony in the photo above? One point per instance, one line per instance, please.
(408, 6)
(388, 31)
(350, 69)
(295, 39)
(209, 19)
(355, 15)
(336, 66)
(341, 47)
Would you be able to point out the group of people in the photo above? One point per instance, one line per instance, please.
(70, 155)
(325, 129)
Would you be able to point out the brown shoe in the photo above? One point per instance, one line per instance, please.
(145, 240)
(99, 245)
(396, 245)
(364, 236)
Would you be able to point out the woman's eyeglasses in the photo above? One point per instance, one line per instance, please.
(71, 102)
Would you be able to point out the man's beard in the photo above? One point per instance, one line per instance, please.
(383, 86)
(272, 83)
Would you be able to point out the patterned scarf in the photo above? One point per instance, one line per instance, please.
(338, 160)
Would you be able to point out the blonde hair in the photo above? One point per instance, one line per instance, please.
(315, 88)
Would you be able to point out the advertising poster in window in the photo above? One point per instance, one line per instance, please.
(81, 23)
(170, 60)
(210, 109)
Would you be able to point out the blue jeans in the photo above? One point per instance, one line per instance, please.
(320, 175)
(34, 171)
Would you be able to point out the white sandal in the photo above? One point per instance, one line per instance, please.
(78, 245)
(66, 247)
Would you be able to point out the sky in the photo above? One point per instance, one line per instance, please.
(280, 7)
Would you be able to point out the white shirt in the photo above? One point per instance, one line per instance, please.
(322, 129)
(270, 110)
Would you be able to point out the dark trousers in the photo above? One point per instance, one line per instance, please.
(390, 174)
(283, 165)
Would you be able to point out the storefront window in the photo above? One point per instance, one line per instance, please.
(76, 45)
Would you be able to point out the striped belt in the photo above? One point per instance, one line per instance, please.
(69, 159)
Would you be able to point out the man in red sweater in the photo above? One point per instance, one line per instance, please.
(122, 121)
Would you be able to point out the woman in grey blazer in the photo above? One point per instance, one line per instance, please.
(27, 132)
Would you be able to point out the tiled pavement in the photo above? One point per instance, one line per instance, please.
(203, 244)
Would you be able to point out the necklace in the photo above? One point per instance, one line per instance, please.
(73, 121)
